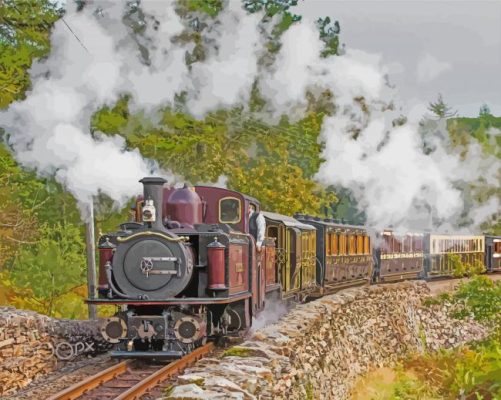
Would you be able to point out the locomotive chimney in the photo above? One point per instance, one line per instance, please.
(153, 196)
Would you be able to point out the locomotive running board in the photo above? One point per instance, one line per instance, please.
(173, 301)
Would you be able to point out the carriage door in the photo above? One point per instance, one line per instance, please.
(261, 278)
(489, 261)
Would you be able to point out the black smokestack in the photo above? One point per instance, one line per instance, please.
(153, 190)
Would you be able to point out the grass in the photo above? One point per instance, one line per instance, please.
(237, 351)
(470, 372)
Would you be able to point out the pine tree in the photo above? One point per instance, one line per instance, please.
(484, 110)
(441, 109)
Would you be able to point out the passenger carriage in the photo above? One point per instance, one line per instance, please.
(493, 253)
(296, 253)
(398, 257)
(440, 250)
(344, 253)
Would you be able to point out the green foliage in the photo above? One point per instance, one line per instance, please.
(468, 372)
(276, 164)
(310, 395)
(19, 202)
(112, 120)
(209, 7)
(237, 351)
(409, 387)
(460, 268)
(479, 298)
(38, 220)
(24, 35)
(52, 267)
(271, 7)
(440, 299)
(465, 131)
(440, 108)
(484, 111)
(329, 33)
(278, 12)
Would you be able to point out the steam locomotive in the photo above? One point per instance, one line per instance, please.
(187, 268)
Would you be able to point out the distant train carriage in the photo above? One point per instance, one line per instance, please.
(398, 257)
(343, 252)
(440, 251)
(295, 252)
(493, 253)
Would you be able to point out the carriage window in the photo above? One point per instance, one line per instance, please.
(360, 244)
(328, 244)
(366, 245)
(406, 244)
(272, 232)
(229, 210)
(334, 244)
(397, 245)
(352, 244)
(342, 244)
(418, 243)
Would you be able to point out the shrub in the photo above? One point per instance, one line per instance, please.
(479, 298)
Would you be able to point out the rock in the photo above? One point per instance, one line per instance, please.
(320, 348)
(28, 343)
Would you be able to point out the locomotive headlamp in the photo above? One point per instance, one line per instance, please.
(149, 212)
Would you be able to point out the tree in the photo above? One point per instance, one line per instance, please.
(484, 111)
(52, 267)
(440, 108)
(329, 33)
(24, 35)
(234, 144)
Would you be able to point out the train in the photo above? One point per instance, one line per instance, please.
(190, 267)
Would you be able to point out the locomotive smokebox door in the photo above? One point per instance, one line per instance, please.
(216, 265)
(152, 265)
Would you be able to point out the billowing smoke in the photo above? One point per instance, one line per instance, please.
(104, 51)
(405, 175)
(272, 312)
(50, 130)
(226, 77)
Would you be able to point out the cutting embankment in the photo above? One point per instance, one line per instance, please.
(320, 349)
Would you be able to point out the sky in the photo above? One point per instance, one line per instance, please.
(451, 47)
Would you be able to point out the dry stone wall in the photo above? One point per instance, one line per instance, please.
(318, 350)
(30, 344)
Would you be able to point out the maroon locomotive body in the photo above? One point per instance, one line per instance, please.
(185, 270)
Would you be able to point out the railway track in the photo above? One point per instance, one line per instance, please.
(128, 380)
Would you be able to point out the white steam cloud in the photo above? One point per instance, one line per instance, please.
(98, 61)
(396, 181)
(227, 75)
(398, 178)
(429, 68)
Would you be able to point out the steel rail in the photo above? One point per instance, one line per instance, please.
(136, 391)
(79, 389)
